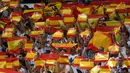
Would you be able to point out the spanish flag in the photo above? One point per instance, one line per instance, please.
(87, 65)
(9, 29)
(50, 62)
(114, 4)
(9, 63)
(40, 24)
(16, 16)
(71, 32)
(58, 35)
(126, 62)
(7, 35)
(28, 46)
(64, 45)
(122, 5)
(103, 40)
(93, 19)
(82, 18)
(95, 69)
(66, 11)
(114, 49)
(36, 16)
(32, 11)
(85, 33)
(39, 63)
(112, 62)
(13, 43)
(63, 60)
(14, 4)
(77, 60)
(69, 19)
(85, 9)
(122, 13)
(3, 55)
(2, 64)
(113, 23)
(110, 9)
(53, 21)
(31, 55)
(36, 33)
(16, 63)
(51, 6)
(100, 10)
(127, 20)
(101, 57)
(105, 69)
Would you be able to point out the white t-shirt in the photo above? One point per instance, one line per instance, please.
(123, 51)
(67, 69)
(23, 70)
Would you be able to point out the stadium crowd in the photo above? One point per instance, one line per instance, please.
(68, 37)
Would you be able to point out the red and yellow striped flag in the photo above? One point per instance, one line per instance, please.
(71, 32)
(16, 63)
(9, 29)
(53, 21)
(69, 20)
(58, 35)
(110, 9)
(63, 60)
(2, 64)
(28, 46)
(9, 63)
(82, 18)
(122, 5)
(93, 19)
(126, 62)
(31, 55)
(14, 43)
(101, 57)
(16, 17)
(95, 69)
(114, 49)
(103, 40)
(39, 63)
(112, 62)
(105, 69)
(86, 64)
(3, 55)
(50, 62)
(14, 4)
(113, 23)
(36, 33)
(77, 61)
(85, 9)
(85, 33)
(66, 11)
(40, 24)
(127, 20)
(7, 35)
(100, 10)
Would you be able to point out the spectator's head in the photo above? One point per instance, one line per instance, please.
(128, 51)
(125, 70)
(120, 61)
(72, 51)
